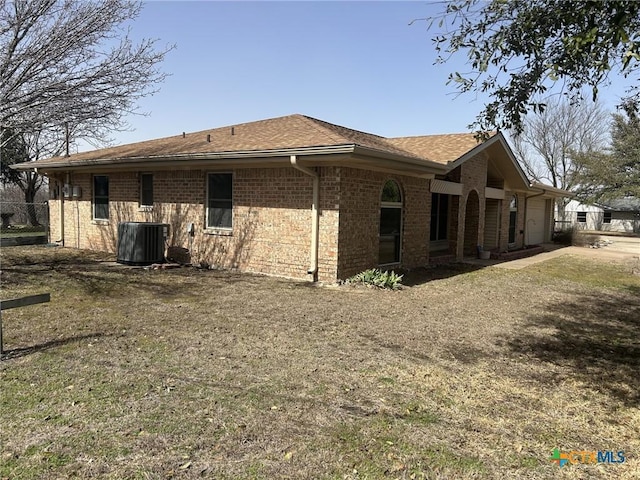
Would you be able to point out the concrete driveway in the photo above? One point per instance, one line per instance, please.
(624, 250)
(629, 245)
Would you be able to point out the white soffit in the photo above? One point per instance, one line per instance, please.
(496, 193)
(449, 188)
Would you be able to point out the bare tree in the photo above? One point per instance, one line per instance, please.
(551, 139)
(72, 61)
(25, 147)
(68, 70)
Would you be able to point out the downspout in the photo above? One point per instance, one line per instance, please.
(315, 215)
(526, 209)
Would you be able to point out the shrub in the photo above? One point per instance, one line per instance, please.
(378, 278)
(564, 237)
(584, 239)
(575, 236)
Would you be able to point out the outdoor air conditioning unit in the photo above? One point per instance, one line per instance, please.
(141, 243)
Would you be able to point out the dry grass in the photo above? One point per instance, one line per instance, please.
(130, 373)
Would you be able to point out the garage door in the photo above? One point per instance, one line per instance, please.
(536, 223)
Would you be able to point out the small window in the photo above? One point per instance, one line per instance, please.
(391, 193)
(220, 200)
(607, 217)
(146, 190)
(101, 197)
(582, 217)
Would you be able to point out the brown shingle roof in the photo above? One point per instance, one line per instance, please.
(438, 148)
(271, 137)
(292, 131)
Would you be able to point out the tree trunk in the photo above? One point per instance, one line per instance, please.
(561, 205)
(30, 190)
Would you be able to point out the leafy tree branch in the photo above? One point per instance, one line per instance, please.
(519, 50)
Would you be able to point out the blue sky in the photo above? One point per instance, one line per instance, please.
(357, 64)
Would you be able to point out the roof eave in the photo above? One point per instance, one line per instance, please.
(186, 159)
(246, 158)
(550, 191)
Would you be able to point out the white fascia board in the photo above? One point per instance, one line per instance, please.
(551, 191)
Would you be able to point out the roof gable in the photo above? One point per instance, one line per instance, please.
(502, 163)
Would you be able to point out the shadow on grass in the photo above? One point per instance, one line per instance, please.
(380, 343)
(100, 280)
(51, 257)
(467, 354)
(93, 275)
(97, 273)
(25, 351)
(419, 276)
(595, 338)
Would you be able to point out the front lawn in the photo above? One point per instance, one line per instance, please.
(476, 374)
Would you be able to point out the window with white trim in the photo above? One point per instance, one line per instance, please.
(220, 200)
(606, 218)
(100, 197)
(582, 217)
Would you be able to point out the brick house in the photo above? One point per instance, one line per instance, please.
(299, 197)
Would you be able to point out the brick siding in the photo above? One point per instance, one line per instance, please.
(271, 218)
(271, 231)
(360, 199)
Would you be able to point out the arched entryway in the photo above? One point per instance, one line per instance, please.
(471, 223)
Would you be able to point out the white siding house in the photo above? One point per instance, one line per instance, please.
(618, 216)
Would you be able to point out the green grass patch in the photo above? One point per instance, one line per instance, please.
(591, 272)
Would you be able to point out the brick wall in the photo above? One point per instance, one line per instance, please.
(330, 197)
(473, 175)
(271, 218)
(467, 231)
(360, 193)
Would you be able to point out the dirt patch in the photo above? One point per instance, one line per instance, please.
(469, 373)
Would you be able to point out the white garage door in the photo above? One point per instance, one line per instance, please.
(535, 229)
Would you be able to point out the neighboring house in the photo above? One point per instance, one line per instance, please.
(299, 197)
(622, 215)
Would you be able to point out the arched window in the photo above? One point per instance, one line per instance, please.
(513, 217)
(390, 224)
